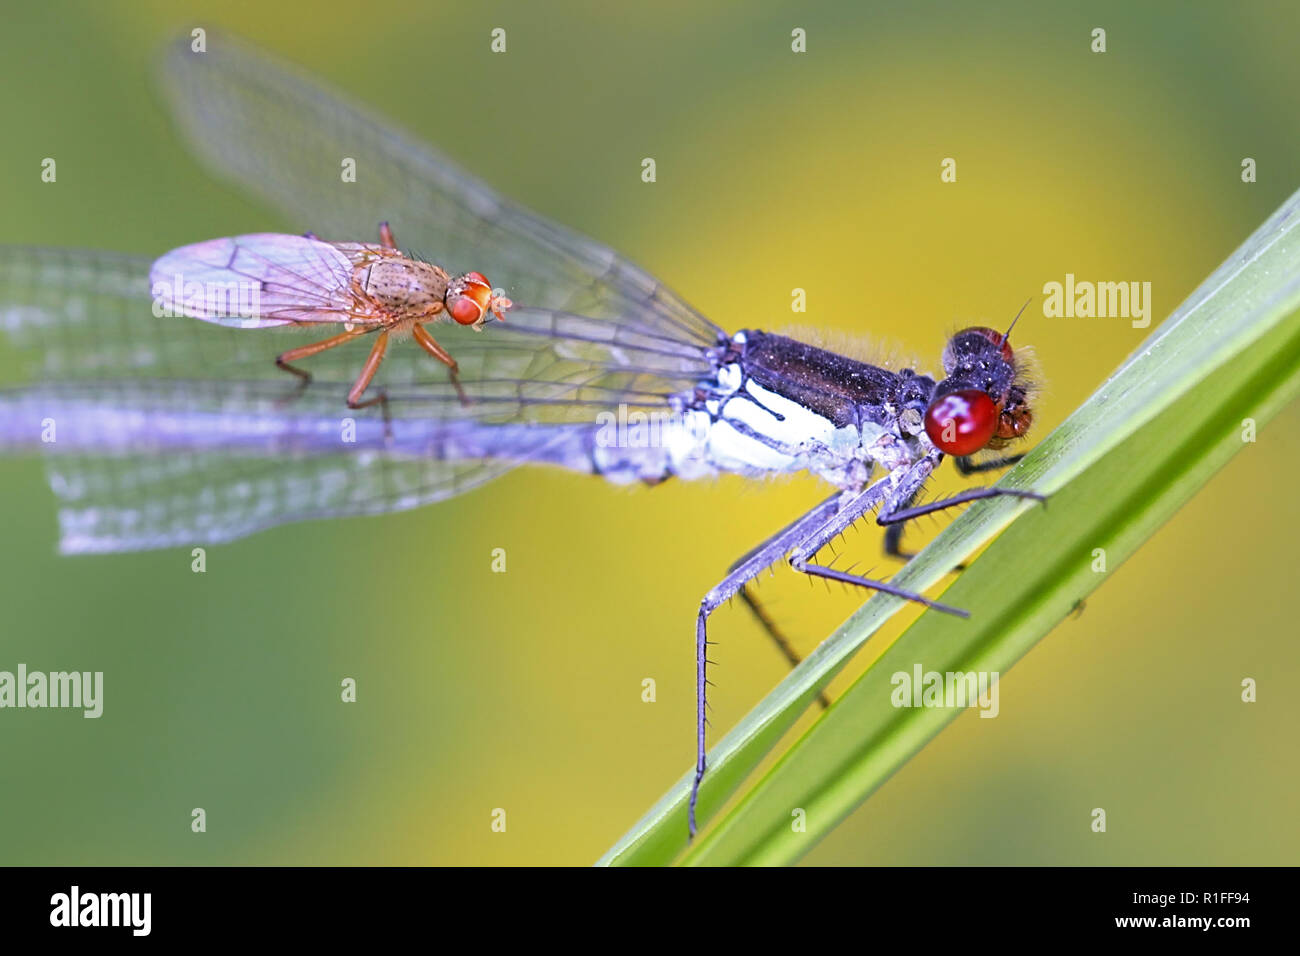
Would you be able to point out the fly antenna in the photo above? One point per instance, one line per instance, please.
(1007, 334)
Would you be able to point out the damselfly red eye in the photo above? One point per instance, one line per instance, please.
(961, 423)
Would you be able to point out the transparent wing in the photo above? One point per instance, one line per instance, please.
(255, 281)
(283, 138)
(161, 431)
(171, 431)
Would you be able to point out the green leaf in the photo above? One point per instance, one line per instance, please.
(1116, 469)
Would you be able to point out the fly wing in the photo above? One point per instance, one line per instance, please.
(255, 281)
(160, 432)
(282, 137)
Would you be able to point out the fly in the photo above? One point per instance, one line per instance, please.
(266, 279)
(176, 433)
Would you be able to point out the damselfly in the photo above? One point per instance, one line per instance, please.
(174, 432)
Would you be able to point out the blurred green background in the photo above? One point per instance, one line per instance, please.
(523, 690)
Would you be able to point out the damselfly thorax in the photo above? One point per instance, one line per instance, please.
(774, 404)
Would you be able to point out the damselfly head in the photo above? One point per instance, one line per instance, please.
(470, 298)
(984, 401)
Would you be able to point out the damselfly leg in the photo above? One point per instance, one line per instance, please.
(758, 560)
(852, 508)
(961, 498)
(895, 523)
(892, 547)
(893, 544)
(969, 467)
(801, 540)
(769, 626)
(760, 613)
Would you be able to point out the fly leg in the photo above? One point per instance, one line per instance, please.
(307, 351)
(367, 376)
(745, 570)
(430, 345)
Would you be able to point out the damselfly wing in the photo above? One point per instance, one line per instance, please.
(163, 432)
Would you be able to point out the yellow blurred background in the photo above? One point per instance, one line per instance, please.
(776, 171)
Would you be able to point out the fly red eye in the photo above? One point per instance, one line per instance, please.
(465, 310)
(469, 298)
(961, 423)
